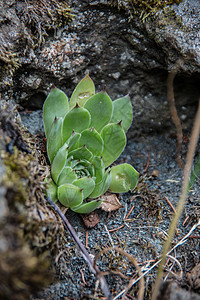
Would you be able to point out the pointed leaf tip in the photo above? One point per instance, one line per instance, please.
(120, 123)
(53, 86)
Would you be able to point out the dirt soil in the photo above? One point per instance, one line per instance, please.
(140, 233)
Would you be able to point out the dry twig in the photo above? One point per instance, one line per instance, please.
(170, 271)
(170, 204)
(129, 212)
(115, 229)
(173, 111)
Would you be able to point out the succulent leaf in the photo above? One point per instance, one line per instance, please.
(55, 105)
(99, 168)
(92, 140)
(123, 178)
(85, 166)
(84, 137)
(81, 153)
(70, 195)
(59, 162)
(73, 141)
(76, 120)
(102, 186)
(67, 175)
(122, 111)
(100, 108)
(87, 184)
(84, 90)
(54, 141)
(86, 208)
(114, 142)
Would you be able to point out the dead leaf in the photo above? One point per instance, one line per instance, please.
(90, 220)
(110, 202)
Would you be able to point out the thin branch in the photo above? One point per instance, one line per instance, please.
(93, 269)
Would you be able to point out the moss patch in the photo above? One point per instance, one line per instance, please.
(24, 27)
(8, 64)
(143, 8)
(27, 225)
(41, 16)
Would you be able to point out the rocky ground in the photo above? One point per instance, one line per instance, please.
(141, 234)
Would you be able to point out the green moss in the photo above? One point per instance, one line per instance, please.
(169, 17)
(8, 64)
(143, 8)
(18, 255)
(28, 226)
(38, 18)
(42, 16)
(17, 176)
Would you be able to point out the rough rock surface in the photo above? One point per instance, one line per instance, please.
(128, 57)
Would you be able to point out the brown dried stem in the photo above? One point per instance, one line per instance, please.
(173, 111)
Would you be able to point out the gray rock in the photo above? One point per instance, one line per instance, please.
(33, 121)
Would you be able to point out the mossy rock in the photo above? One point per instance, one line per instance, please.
(30, 23)
(28, 226)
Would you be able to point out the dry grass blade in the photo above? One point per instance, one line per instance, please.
(180, 276)
(181, 242)
(183, 196)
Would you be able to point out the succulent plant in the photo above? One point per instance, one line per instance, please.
(84, 137)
